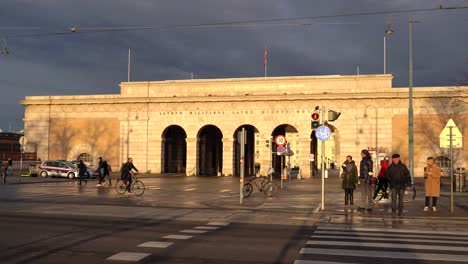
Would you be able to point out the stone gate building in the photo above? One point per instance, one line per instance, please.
(190, 126)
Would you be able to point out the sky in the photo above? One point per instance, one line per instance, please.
(95, 63)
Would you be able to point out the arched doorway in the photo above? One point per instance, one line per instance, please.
(174, 150)
(250, 154)
(292, 137)
(209, 151)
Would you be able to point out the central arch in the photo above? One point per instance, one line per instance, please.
(174, 150)
(209, 151)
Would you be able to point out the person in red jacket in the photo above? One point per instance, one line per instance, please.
(383, 182)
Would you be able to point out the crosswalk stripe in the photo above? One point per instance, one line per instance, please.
(381, 234)
(156, 244)
(207, 227)
(385, 245)
(320, 262)
(406, 231)
(218, 223)
(388, 239)
(129, 256)
(384, 254)
(177, 237)
(191, 231)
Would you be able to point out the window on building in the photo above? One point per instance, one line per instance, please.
(85, 157)
(442, 161)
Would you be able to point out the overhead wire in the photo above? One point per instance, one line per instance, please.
(258, 22)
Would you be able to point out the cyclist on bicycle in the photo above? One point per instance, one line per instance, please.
(126, 175)
(383, 182)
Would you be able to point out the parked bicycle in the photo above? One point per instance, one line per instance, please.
(137, 187)
(267, 186)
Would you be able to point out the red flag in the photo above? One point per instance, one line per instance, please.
(265, 57)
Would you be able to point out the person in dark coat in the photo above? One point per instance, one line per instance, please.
(126, 169)
(399, 178)
(82, 171)
(106, 172)
(99, 170)
(350, 179)
(365, 173)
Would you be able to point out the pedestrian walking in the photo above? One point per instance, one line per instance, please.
(100, 172)
(106, 169)
(349, 179)
(10, 166)
(399, 178)
(365, 173)
(432, 184)
(3, 171)
(382, 180)
(82, 171)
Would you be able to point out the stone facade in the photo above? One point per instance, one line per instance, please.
(190, 126)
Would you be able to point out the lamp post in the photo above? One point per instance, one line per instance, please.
(388, 32)
(376, 135)
(410, 105)
(5, 51)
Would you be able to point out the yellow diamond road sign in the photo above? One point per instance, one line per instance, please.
(457, 137)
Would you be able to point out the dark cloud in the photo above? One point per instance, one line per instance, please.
(96, 63)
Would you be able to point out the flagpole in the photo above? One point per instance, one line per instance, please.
(128, 71)
(265, 61)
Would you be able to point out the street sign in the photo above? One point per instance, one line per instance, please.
(280, 140)
(323, 133)
(280, 149)
(457, 136)
(311, 157)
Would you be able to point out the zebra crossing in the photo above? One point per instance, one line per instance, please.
(346, 245)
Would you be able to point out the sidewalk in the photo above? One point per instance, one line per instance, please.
(302, 196)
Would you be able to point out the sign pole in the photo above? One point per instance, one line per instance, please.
(451, 170)
(323, 164)
(242, 163)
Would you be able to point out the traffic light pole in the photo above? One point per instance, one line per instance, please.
(323, 163)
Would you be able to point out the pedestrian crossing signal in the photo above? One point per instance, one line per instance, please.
(315, 120)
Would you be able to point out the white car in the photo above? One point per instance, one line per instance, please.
(55, 168)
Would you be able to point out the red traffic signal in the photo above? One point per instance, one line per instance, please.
(315, 116)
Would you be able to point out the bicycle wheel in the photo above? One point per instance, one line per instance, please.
(410, 195)
(138, 188)
(270, 189)
(382, 195)
(120, 187)
(248, 189)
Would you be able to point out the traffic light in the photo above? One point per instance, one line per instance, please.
(333, 115)
(315, 119)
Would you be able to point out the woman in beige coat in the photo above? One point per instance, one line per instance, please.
(432, 185)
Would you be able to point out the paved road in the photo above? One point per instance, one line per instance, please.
(72, 239)
(62, 222)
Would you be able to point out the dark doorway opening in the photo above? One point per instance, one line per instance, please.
(210, 151)
(174, 148)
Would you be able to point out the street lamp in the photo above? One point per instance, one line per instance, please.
(376, 135)
(5, 49)
(389, 31)
(410, 105)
